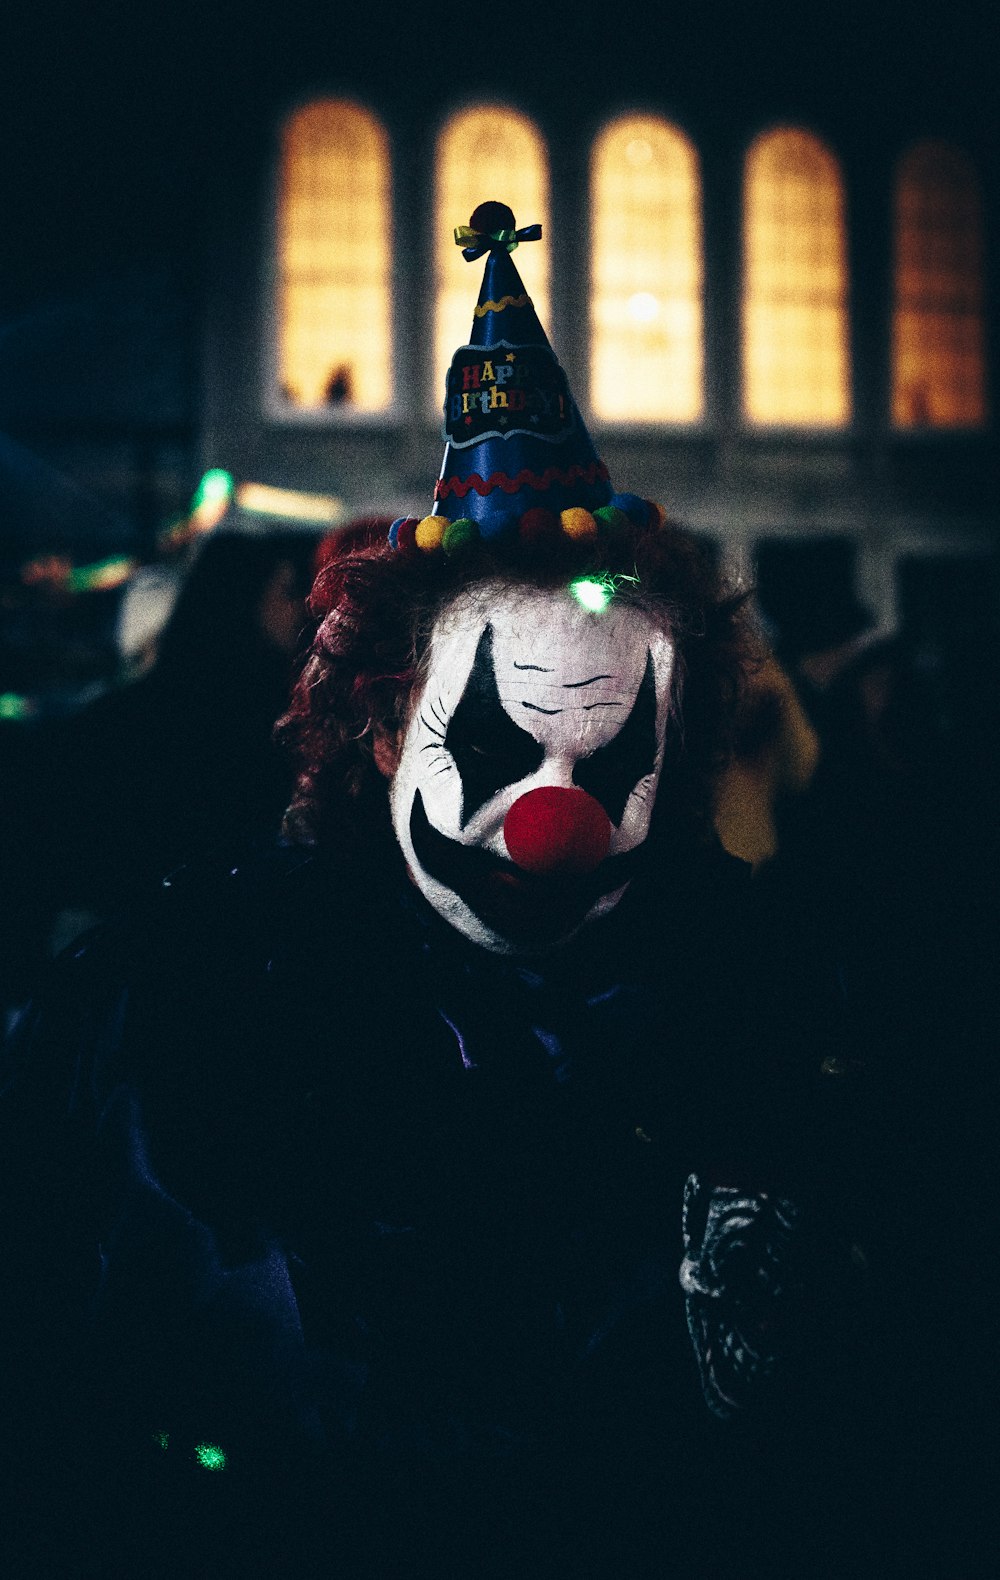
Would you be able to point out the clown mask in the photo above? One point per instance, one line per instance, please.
(529, 765)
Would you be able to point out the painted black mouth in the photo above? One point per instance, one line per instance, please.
(522, 906)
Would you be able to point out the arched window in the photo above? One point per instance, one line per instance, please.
(486, 152)
(646, 274)
(938, 375)
(333, 262)
(796, 358)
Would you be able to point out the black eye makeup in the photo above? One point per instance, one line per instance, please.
(612, 772)
(489, 749)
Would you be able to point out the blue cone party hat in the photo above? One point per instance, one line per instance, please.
(518, 458)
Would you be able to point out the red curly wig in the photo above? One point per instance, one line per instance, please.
(376, 608)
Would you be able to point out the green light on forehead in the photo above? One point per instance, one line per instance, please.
(210, 1456)
(592, 594)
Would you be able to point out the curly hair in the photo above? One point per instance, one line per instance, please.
(376, 608)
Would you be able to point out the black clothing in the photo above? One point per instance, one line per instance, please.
(394, 1225)
(98, 804)
(168, 767)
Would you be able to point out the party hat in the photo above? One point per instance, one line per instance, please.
(518, 457)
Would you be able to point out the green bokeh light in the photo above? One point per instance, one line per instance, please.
(592, 594)
(162, 1440)
(13, 706)
(117, 568)
(210, 1456)
(214, 487)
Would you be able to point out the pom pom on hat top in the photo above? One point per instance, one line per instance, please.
(518, 459)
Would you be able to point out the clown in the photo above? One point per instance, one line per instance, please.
(527, 774)
(391, 1140)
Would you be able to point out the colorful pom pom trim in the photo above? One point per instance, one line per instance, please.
(636, 508)
(431, 533)
(458, 533)
(578, 523)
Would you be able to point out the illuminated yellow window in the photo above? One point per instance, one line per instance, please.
(646, 274)
(796, 358)
(938, 331)
(485, 153)
(333, 260)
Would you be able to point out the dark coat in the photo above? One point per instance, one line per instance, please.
(301, 1176)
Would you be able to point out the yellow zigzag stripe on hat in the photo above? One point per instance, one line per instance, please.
(505, 301)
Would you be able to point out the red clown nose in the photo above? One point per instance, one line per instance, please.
(557, 831)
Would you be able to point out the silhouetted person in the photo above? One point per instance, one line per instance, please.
(775, 753)
(162, 768)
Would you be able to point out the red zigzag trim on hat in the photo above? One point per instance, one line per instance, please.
(594, 473)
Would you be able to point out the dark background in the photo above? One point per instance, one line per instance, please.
(136, 144)
(134, 184)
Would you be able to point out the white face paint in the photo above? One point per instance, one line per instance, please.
(527, 690)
